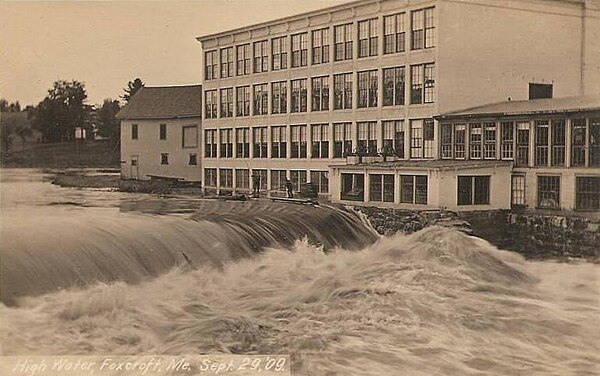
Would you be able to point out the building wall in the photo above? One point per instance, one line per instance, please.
(490, 51)
(148, 148)
(591, 48)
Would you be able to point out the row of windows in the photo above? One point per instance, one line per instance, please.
(256, 179)
(513, 141)
(256, 97)
(254, 57)
(388, 138)
(587, 192)
(189, 134)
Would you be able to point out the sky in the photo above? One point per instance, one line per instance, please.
(105, 44)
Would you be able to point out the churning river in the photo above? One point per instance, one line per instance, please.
(99, 272)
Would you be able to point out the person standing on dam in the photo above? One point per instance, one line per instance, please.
(255, 184)
(290, 188)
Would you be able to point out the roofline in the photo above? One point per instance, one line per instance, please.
(506, 114)
(158, 117)
(171, 86)
(458, 166)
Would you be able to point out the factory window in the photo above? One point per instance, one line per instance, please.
(298, 178)
(320, 141)
(242, 94)
(522, 143)
(242, 142)
(279, 142)
(279, 97)
(259, 139)
(320, 46)
(422, 83)
(393, 138)
(353, 187)
(279, 52)
(594, 142)
(243, 59)
(367, 89)
(473, 190)
(507, 139)
(164, 158)
(548, 192)
(210, 143)
(460, 140)
(423, 29)
(320, 179)
(587, 193)
(342, 140)
(413, 189)
(210, 65)
(342, 91)
(134, 131)
(210, 104)
(381, 187)
(475, 138)
(262, 178)
(162, 131)
(446, 141)
(394, 82)
(261, 99)
(226, 102)
(343, 42)
(578, 144)
(517, 190)
(226, 62)
(542, 141)
(298, 147)
(210, 177)
(242, 178)
(278, 180)
(367, 138)
(261, 57)
(367, 38)
(558, 142)
(299, 50)
(320, 94)
(226, 140)
(394, 39)
(489, 140)
(189, 136)
(226, 178)
(298, 95)
(540, 91)
(421, 138)
(193, 159)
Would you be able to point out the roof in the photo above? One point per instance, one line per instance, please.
(164, 102)
(528, 107)
(436, 164)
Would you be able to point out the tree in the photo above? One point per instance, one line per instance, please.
(63, 109)
(5, 106)
(132, 88)
(108, 124)
(23, 132)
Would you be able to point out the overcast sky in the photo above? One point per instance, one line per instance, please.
(106, 44)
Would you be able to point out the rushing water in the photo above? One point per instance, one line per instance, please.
(437, 302)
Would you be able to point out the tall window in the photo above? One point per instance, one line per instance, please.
(342, 88)
(298, 95)
(262, 177)
(460, 141)
(413, 189)
(278, 142)
(421, 138)
(353, 187)
(394, 82)
(578, 142)
(260, 142)
(473, 190)
(279, 97)
(210, 177)
(225, 178)
(381, 187)
(342, 139)
(210, 143)
(278, 178)
(261, 99)
(446, 141)
(394, 38)
(299, 146)
(320, 93)
(393, 138)
(542, 141)
(507, 139)
(261, 57)
(134, 131)
(522, 143)
(320, 179)
(489, 140)
(423, 29)
(162, 131)
(367, 38)
(587, 193)
(367, 89)
(226, 139)
(243, 59)
(242, 142)
(299, 50)
(279, 52)
(242, 101)
(367, 138)
(320, 141)
(343, 42)
(558, 143)
(549, 192)
(298, 178)
(594, 142)
(226, 62)
(422, 83)
(475, 138)
(211, 69)
(210, 104)
(226, 102)
(320, 46)
(517, 190)
(242, 178)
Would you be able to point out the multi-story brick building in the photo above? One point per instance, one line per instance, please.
(291, 97)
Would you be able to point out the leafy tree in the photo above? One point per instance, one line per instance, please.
(5, 106)
(63, 109)
(23, 132)
(108, 124)
(132, 88)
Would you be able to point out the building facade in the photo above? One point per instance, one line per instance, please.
(161, 131)
(290, 97)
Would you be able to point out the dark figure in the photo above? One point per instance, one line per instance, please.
(255, 185)
(290, 188)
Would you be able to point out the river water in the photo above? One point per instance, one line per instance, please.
(97, 272)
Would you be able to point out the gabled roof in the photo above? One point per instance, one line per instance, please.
(528, 107)
(164, 102)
